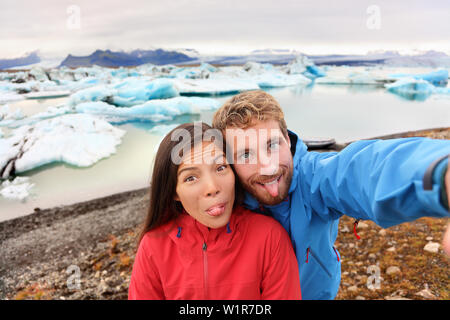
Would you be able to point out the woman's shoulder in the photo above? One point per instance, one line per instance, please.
(159, 234)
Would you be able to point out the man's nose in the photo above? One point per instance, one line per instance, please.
(268, 164)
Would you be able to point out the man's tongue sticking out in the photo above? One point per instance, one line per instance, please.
(272, 188)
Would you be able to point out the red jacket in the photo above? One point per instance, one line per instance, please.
(249, 258)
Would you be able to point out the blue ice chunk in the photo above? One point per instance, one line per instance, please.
(412, 89)
(438, 77)
(135, 91)
(315, 71)
(153, 110)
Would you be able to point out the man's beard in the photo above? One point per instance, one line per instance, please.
(264, 197)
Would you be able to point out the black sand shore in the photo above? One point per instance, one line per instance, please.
(97, 239)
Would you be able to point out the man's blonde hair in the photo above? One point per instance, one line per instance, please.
(243, 109)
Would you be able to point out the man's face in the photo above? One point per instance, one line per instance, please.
(262, 159)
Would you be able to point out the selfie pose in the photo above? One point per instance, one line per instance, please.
(197, 242)
(386, 181)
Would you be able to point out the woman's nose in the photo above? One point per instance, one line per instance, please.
(212, 188)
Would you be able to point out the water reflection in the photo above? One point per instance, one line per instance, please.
(411, 96)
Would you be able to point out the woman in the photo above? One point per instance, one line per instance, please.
(197, 242)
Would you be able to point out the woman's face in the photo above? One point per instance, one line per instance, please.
(205, 185)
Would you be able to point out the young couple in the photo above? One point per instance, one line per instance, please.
(206, 238)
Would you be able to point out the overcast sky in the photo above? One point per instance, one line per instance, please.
(58, 27)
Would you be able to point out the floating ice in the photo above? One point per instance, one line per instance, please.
(46, 94)
(17, 189)
(303, 65)
(344, 76)
(96, 93)
(256, 68)
(51, 112)
(438, 77)
(412, 89)
(137, 90)
(273, 80)
(8, 116)
(153, 110)
(76, 139)
(202, 72)
(9, 97)
(213, 86)
(39, 73)
(126, 93)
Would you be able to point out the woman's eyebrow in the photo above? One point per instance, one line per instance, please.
(187, 169)
(220, 156)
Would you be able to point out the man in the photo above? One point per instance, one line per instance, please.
(386, 181)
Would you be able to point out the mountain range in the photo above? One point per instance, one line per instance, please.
(157, 56)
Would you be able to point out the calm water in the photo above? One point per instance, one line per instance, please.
(342, 112)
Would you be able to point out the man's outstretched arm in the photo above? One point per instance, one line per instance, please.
(385, 181)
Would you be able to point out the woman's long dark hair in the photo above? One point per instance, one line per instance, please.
(162, 206)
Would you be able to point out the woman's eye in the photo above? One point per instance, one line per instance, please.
(189, 179)
(222, 167)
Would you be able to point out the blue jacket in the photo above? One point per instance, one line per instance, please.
(378, 180)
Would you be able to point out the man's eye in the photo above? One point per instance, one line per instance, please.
(274, 145)
(245, 156)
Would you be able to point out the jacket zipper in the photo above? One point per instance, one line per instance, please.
(205, 270)
(309, 251)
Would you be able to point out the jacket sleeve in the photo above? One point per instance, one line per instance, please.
(281, 280)
(145, 282)
(378, 180)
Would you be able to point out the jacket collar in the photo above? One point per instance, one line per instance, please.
(185, 224)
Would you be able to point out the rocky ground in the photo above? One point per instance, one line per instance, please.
(44, 254)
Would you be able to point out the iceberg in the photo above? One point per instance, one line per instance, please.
(20, 120)
(133, 91)
(303, 65)
(10, 97)
(411, 89)
(343, 76)
(17, 189)
(213, 86)
(126, 93)
(76, 139)
(438, 77)
(39, 74)
(152, 111)
(96, 93)
(46, 94)
(8, 116)
(273, 80)
(74, 86)
(255, 68)
(202, 72)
